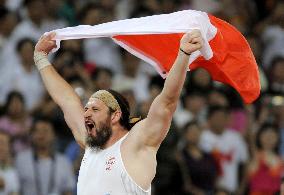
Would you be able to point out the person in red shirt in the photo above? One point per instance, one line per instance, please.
(266, 167)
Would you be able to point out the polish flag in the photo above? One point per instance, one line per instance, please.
(226, 54)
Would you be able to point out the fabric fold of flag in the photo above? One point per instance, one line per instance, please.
(226, 54)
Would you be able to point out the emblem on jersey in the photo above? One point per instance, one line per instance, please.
(109, 163)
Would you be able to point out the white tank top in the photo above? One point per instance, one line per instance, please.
(102, 172)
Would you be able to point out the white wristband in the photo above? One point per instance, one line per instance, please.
(41, 60)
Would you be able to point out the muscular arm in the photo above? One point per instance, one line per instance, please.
(62, 93)
(154, 128)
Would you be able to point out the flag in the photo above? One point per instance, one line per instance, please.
(226, 54)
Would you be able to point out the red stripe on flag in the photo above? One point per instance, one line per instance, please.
(233, 62)
(161, 48)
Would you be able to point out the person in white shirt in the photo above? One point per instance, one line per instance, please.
(9, 180)
(23, 76)
(120, 157)
(227, 146)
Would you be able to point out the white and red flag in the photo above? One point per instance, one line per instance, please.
(226, 54)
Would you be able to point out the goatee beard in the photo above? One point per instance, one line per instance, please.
(102, 136)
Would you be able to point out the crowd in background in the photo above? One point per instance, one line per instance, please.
(216, 144)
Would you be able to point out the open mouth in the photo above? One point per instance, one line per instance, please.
(89, 125)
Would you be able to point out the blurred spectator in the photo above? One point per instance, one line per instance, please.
(199, 169)
(101, 52)
(168, 167)
(48, 109)
(13, 5)
(199, 80)
(102, 78)
(23, 76)
(42, 170)
(69, 64)
(267, 167)
(194, 108)
(9, 181)
(83, 88)
(276, 77)
(206, 5)
(228, 148)
(273, 34)
(166, 157)
(124, 8)
(168, 6)
(277, 107)
(8, 21)
(16, 121)
(131, 77)
(31, 26)
(265, 7)
(108, 6)
(53, 20)
(217, 97)
(76, 46)
(129, 95)
(256, 46)
(155, 86)
(75, 154)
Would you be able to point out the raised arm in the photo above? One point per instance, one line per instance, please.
(60, 91)
(154, 128)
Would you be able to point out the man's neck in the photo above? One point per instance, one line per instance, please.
(117, 134)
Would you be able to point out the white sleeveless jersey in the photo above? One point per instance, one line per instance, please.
(102, 172)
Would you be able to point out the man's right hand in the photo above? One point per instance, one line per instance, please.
(46, 43)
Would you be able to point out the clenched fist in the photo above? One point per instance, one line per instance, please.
(191, 42)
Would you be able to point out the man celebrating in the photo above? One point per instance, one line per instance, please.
(120, 158)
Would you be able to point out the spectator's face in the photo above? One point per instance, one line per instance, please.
(131, 64)
(153, 5)
(26, 53)
(98, 123)
(8, 24)
(218, 121)
(16, 107)
(36, 11)
(66, 64)
(269, 140)
(193, 134)
(201, 77)
(195, 103)
(278, 13)
(278, 72)
(43, 134)
(104, 80)
(5, 147)
(216, 98)
(63, 60)
(53, 6)
(72, 45)
(93, 17)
